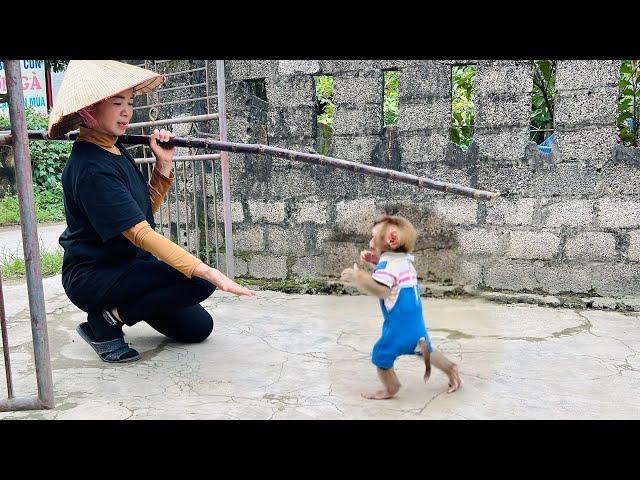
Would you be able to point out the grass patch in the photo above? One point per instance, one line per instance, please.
(48, 202)
(312, 287)
(9, 212)
(12, 266)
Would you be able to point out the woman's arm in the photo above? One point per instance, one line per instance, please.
(162, 176)
(143, 236)
(159, 185)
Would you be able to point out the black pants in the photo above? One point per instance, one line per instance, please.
(156, 293)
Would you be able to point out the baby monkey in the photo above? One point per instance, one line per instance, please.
(395, 282)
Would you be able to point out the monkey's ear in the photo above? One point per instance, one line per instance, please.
(393, 238)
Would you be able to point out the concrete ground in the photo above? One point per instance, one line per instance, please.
(281, 356)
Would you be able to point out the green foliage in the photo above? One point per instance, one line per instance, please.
(542, 97)
(47, 162)
(324, 112)
(47, 157)
(390, 107)
(48, 202)
(9, 211)
(462, 115)
(324, 99)
(56, 65)
(325, 106)
(13, 266)
(51, 262)
(629, 103)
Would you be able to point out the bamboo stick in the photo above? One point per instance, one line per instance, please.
(312, 158)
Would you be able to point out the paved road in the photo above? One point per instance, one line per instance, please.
(11, 238)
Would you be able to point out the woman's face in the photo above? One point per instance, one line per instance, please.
(114, 114)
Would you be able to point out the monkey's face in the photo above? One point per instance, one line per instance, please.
(384, 238)
(376, 244)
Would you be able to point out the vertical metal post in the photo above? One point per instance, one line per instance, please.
(214, 177)
(204, 178)
(195, 208)
(29, 229)
(186, 206)
(5, 342)
(206, 212)
(177, 201)
(224, 165)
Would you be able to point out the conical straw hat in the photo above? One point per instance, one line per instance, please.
(86, 82)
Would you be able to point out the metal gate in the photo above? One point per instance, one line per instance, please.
(20, 144)
(188, 216)
(200, 194)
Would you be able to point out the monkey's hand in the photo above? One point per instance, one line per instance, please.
(369, 257)
(350, 274)
(364, 282)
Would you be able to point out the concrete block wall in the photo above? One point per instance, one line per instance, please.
(567, 222)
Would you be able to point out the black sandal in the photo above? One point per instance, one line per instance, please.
(111, 351)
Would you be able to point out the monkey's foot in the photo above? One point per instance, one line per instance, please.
(378, 395)
(455, 382)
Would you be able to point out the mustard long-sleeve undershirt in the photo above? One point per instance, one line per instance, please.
(145, 237)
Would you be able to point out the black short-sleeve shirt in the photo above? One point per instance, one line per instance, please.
(104, 195)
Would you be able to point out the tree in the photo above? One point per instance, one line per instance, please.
(56, 65)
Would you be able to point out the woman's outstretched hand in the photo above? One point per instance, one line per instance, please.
(228, 285)
(221, 281)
